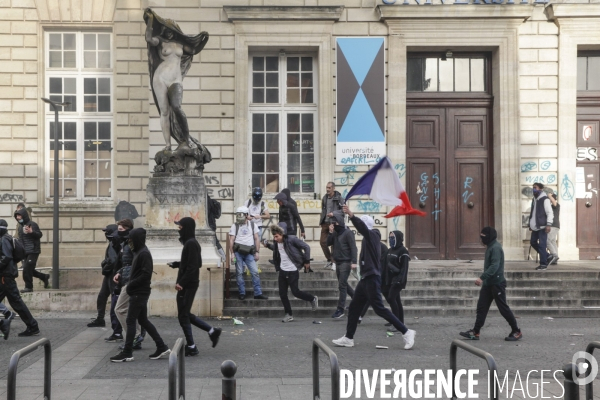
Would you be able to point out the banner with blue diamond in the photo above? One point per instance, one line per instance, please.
(360, 100)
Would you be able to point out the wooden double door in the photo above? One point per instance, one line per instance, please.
(449, 176)
(588, 178)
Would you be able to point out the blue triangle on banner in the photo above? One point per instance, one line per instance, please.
(360, 124)
(360, 54)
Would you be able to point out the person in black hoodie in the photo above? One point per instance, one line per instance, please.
(8, 287)
(289, 255)
(368, 290)
(138, 289)
(288, 213)
(110, 265)
(30, 235)
(396, 272)
(344, 255)
(188, 280)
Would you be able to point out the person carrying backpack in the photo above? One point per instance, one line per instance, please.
(9, 290)
(214, 213)
(244, 245)
(257, 209)
(30, 235)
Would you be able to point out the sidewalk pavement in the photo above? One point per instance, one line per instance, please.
(274, 359)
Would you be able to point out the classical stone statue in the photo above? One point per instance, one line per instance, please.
(170, 54)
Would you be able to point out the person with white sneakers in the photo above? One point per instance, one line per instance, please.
(368, 290)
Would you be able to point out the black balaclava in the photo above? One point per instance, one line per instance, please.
(137, 239)
(338, 217)
(398, 239)
(257, 195)
(3, 227)
(188, 229)
(110, 231)
(488, 235)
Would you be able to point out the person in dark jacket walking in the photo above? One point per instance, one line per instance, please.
(396, 272)
(110, 265)
(121, 279)
(213, 214)
(344, 255)
(493, 288)
(289, 255)
(540, 223)
(553, 235)
(332, 201)
(30, 235)
(139, 290)
(368, 290)
(9, 290)
(188, 280)
(385, 286)
(288, 213)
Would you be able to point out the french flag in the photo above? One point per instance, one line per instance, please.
(383, 185)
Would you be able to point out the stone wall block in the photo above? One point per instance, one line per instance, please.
(539, 96)
(548, 82)
(539, 68)
(548, 55)
(548, 110)
(538, 42)
(531, 124)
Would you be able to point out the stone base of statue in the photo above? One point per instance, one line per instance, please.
(170, 198)
(186, 160)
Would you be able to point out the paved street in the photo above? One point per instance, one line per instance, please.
(274, 359)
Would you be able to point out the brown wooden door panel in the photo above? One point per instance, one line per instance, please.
(425, 233)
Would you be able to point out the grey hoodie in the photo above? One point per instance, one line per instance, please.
(344, 244)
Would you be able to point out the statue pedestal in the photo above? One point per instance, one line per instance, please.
(170, 198)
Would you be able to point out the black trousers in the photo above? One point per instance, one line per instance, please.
(114, 321)
(368, 291)
(106, 291)
(29, 271)
(9, 290)
(185, 300)
(289, 279)
(496, 293)
(342, 270)
(138, 311)
(393, 298)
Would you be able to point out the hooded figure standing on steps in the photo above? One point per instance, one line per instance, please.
(344, 256)
(368, 290)
(9, 290)
(138, 290)
(290, 254)
(30, 234)
(188, 280)
(493, 288)
(396, 272)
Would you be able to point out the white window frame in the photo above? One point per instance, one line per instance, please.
(282, 108)
(79, 116)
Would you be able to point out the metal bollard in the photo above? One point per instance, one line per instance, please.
(228, 369)
(571, 388)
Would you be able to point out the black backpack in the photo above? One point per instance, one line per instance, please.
(215, 207)
(18, 250)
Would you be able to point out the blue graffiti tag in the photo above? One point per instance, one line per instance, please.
(424, 183)
(347, 180)
(369, 206)
(528, 166)
(436, 191)
(401, 168)
(551, 179)
(545, 165)
(395, 221)
(567, 192)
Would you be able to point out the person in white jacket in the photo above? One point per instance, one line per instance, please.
(540, 223)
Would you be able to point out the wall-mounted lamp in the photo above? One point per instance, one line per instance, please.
(448, 53)
(282, 53)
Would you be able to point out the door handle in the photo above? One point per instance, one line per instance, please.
(470, 205)
(588, 204)
(422, 204)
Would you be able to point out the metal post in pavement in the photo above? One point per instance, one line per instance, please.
(228, 369)
(55, 258)
(571, 388)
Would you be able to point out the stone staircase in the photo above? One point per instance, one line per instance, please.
(442, 288)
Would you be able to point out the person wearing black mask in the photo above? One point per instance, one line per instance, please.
(109, 265)
(139, 290)
(121, 279)
(9, 290)
(541, 218)
(396, 272)
(30, 234)
(188, 280)
(288, 213)
(493, 288)
(345, 258)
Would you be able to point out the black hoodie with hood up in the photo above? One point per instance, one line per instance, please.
(288, 213)
(8, 268)
(188, 276)
(111, 263)
(31, 241)
(370, 249)
(142, 266)
(343, 241)
(397, 262)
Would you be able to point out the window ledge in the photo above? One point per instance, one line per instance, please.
(456, 11)
(75, 209)
(573, 11)
(283, 13)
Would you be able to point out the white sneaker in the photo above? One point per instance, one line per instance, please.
(333, 266)
(328, 265)
(344, 342)
(287, 318)
(409, 339)
(315, 303)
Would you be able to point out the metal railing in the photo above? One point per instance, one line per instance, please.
(11, 382)
(589, 388)
(571, 388)
(227, 269)
(479, 353)
(335, 370)
(177, 359)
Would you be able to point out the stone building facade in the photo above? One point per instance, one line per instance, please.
(526, 123)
